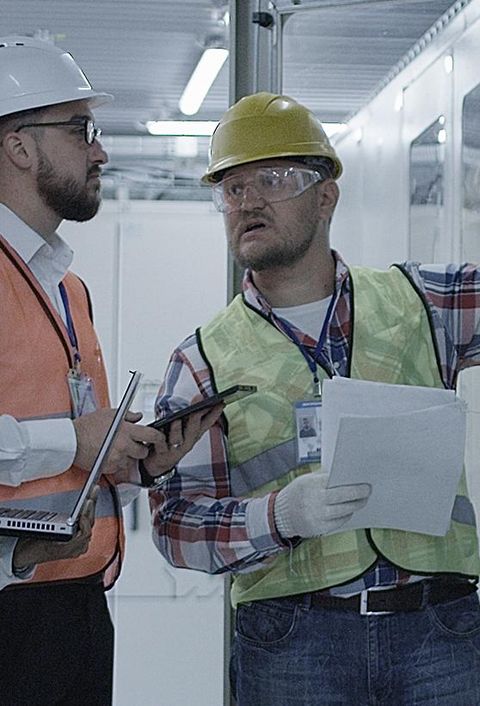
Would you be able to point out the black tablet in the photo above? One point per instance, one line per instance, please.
(231, 394)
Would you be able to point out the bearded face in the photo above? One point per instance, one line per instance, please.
(70, 198)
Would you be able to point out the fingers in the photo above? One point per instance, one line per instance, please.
(211, 417)
(85, 525)
(89, 507)
(133, 417)
(197, 424)
(134, 441)
(175, 434)
(343, 501)
(308, 508)
(182, 436)
(347, 493)
(79, 543)
(344, 510)
(39, 551)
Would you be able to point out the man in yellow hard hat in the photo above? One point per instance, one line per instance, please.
(323, 616)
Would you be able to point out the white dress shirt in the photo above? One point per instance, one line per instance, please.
(46, 447)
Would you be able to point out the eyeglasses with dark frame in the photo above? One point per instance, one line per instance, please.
(90, 131)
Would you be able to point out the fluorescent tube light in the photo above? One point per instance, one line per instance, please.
(206, 127)
(332, 129)
(201, 79)
(180, 127)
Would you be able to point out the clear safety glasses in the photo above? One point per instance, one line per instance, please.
(270, 183)
(85, 125)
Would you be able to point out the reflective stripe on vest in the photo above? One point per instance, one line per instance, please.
(392, 342)
(36, 354)
(275, 463)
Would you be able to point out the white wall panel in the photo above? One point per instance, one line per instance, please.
(347, 231)
(425, 100)
(173, 266)
(156, 271)
(467, 77)
(168, 651)
(95, 244)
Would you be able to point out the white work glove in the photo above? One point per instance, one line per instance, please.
(307, 508)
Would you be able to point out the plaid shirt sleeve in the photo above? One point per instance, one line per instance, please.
(453, 293)
(197, 524)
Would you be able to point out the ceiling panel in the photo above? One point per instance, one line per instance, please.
(143, 51)
(355, 44)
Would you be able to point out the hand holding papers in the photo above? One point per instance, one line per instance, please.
(306, 507)
(406, 441)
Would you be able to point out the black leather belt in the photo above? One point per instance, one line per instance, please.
(405, 598)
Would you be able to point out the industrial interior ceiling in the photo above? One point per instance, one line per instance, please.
(336, 54)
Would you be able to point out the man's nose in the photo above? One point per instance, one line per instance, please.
(96, 153)
(251, 197)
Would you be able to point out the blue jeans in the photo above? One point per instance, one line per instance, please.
(291, 654)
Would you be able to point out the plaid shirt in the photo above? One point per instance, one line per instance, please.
(197, 523)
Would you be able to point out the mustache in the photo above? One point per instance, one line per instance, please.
(94, 171)
(248, 217)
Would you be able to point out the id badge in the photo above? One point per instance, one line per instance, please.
(82, 393)
(308, 424)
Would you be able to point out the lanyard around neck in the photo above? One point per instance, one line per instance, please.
(69, 324)
(317, 356)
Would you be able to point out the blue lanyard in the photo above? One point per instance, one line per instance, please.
(69, 323)
(317, 356)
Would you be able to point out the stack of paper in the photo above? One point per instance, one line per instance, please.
(408, 442)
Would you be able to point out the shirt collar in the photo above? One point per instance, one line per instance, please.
(29, 244)
(255, 298)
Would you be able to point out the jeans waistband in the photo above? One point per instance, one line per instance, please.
(408, 598)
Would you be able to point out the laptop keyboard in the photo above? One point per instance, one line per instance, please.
(27, 514)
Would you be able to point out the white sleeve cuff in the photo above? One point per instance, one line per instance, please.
(52, 445)
(257, 520)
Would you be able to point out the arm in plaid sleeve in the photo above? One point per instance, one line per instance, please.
(453, 292)
(196, 522)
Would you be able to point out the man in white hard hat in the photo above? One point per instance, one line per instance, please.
(57, 636)
(323, 616)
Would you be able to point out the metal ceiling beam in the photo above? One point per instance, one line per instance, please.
(252, 63)
(250, 48)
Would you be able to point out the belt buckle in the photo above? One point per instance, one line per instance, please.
(364, 606)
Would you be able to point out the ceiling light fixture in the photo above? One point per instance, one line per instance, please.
(198, 128)
(201, 79)
(181, 127)
(448, 63)
(332, 129)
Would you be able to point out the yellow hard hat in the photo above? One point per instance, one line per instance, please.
(264, 126)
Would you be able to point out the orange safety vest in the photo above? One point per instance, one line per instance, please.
(35, 356)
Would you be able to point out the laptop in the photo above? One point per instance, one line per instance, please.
(48, 524)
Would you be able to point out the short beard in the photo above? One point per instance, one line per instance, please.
(64, 195)
(285, 256)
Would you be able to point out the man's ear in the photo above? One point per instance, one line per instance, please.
(328, 193)
(19, 148)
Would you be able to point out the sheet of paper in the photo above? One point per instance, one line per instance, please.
(342, 396)
(411, 457)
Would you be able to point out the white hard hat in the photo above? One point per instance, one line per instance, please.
(35, 73)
